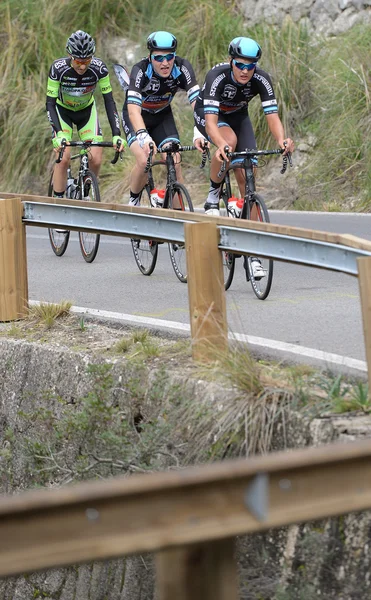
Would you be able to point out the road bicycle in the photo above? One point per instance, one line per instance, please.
(254, 208)
(162, 174)
(82, 187)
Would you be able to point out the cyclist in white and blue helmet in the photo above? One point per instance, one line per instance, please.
(221, 112)
(147, 115)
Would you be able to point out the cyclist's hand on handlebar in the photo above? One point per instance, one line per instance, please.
(221, 153)
(59, 141)
(118, 143)
(150, 146)
(288, 145)
(201, 144)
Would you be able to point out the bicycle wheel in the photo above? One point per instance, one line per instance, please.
(145, 251)
(228, 257)
(59, 238)
(174, 195)
(89, 242)
(260, 285)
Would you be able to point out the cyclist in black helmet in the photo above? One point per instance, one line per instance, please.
(221, 111)
(70, 101)
(147, 115)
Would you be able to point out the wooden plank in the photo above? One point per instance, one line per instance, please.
(198, 572)
(206, 293)
(321, 236)
(13, 261)
(364, 278)
(99, 520)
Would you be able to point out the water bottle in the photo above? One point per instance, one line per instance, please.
(235, 206)
(157, 198)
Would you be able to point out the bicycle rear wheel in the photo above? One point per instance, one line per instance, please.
(260, 285)
(89, 242)
(59, 238)
(178, 194)
(145, 251)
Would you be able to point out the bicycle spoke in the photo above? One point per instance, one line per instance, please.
(145, 251)
(89, 242)
(262, 281)
(179, 197)
(59, 238)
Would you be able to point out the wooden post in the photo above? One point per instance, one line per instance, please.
(198, 572)
(206, 292)
(364, 280)
(13, 261)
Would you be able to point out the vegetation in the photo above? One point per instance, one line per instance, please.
(323, 87)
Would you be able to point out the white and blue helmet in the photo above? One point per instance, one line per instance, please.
(161, 40)
(243, 47)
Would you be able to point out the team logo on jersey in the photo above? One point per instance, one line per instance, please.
(229, 91)
(138, 78)
(153, 86)
(216, 83)
(59, 64)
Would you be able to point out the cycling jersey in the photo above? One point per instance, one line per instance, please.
(222, 94)
(154, 93)
(75, 92)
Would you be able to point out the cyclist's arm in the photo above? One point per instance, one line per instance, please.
(214, 134)
(135, 116)
(277, 130)
(110, 105)
(189, 81)
(51, 104)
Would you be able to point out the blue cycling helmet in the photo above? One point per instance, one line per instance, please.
(243, 47)
(161, 40)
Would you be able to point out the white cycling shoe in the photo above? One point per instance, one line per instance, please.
(211, 209)
(257, 269)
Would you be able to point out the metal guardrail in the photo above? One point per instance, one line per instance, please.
(309, 252)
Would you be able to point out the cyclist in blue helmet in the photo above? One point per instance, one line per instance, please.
(147, 115)
(221, 112)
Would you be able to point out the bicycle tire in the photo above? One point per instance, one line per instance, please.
(261, 286)
(145, 251)
(89, 242)
(58, 238)
(177, 251)
(229, 259)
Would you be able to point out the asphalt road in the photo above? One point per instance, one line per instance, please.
(307, 307)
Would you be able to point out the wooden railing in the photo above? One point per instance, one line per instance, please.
(188, 517)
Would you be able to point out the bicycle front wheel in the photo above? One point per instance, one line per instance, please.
(261, 282)
(229, 259)
(145, 251)
(89, 242)
(178, 196)
(59, 238)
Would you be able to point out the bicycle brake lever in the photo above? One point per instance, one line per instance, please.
(149, 159)
(61, 151)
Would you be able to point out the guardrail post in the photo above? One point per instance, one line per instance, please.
(198, 572)
(13, 261)
(207, 305)
(364, 280)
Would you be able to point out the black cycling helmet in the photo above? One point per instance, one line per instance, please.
(80, 45)
(243, 47)
(161, 40)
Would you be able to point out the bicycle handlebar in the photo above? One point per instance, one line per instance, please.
(88, 144)
(250, 153)
(175, 147)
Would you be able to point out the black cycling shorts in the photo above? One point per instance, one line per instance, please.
(239, 122)
(160, 126)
